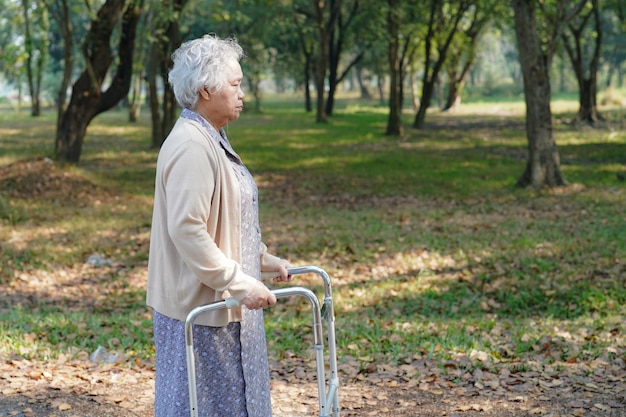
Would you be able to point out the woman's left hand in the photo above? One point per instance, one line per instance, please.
(282, 271)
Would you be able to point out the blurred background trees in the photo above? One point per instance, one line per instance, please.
(85, 57)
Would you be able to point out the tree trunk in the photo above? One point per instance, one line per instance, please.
(338, 27)
(609, 76)
(432, 69)
(453, 100)
(135, 100)
(254, 81)
(308, 64)
(543, 166)
(330, 101)
(307, 84)
(413, 88)
(334, 53)
(428, 89)
(164, 114)
(134, 104)
(458, 72)
(562, 75)
(394, 121)
(587, 78)
(587, 100)
(380, 83)
(87, 99)
(19, 96)
(170, 106)
(41, 61)
(321, 63)
(65, 24)
(457, 81)
(400, 83)
(153, 97)
(365, 94)
(35, 56)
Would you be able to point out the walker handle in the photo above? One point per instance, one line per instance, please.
(232, 302)
(267, 275)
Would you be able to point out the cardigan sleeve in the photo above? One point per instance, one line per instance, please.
(269, 262)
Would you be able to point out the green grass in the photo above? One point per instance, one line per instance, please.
(49, 331)
(433, 251)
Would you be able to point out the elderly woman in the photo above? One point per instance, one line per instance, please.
(206, 245)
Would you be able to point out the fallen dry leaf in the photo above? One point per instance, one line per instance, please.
(65, 407)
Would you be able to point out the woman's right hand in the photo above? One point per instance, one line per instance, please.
(260, 297)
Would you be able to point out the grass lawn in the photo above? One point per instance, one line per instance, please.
(434, 254)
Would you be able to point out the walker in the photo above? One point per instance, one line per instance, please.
(328, 391)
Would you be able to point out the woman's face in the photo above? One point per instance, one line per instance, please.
(226, 105)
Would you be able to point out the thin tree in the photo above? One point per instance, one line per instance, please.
(462, 52)
(361, 80)
(88, 99)
(443, 26)
(60, 11)
(321, 64)
(12, 55)
(139, 69)
(165, 19)
(394, 120)
(586, 66)
(308, 50)
(36, 48)
(338, 35)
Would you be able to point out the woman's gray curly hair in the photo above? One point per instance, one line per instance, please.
(201, 63)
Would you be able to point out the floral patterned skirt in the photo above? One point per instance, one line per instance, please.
(232, 375)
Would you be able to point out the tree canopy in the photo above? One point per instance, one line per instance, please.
(410, 53)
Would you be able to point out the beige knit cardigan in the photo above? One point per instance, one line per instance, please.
(195, 243)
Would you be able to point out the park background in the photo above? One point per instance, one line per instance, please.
(462, 285)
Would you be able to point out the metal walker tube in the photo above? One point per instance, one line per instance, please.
(329, 314)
